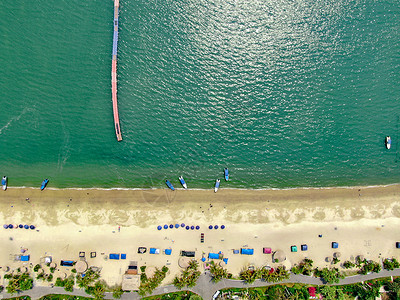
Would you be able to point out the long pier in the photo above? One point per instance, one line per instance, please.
(114, 72)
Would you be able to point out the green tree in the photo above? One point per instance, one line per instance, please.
(393, 288)
(117, 292)
(329, 275)
(189, 276)
(248, 275)
(217, 272)
(390, 264)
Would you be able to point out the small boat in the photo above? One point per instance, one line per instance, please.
(388, 142)
(44, 184)
(4, 182)
(169, 184)
(216, 185)
(182, 181)
(226, 173)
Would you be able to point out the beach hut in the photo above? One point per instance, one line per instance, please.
(279, 256)
(335, 245)
(304, 247)
(114, 256)
(293, 248)
(267, 250)
(154, 251)
(246, 251)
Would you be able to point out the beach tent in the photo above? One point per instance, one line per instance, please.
(267, 250)
(335, 245)
(246, 251)
(398, 245)
(293, 248)
(235, 251)
(215, 256)
(168, 251)
(154, 251)
(142, 250)
(114, 256)
(225, 260)
(188, 253)
(304, 247)
(67, 263)
(123, 256)
(24, 257)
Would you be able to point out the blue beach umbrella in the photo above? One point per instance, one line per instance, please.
(159, 227)
(5, 226)
(197, 227)
(11, 226)
(171, 226)
(26, 226)
(183, 225)
(32, 227)
(187, 227)
(165, 226)
(21, 226)
(176, 225)
(210, 227)
(192, 227)
(222, 226)
(216, 227)
(203, 259)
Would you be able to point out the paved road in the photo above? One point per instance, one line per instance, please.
(205, 287)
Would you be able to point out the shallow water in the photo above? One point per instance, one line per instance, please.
(286, 94)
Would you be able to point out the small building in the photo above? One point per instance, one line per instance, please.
(131, 278)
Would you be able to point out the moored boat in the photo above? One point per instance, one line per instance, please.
(44, 184)
(169, 184)
(4, 182)
(226, 174)
(388, 142)
(182, 181)
(216, 187)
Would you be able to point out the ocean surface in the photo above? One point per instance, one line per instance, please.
(285, 93)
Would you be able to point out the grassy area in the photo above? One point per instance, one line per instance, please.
(183, 295)
(63, 297)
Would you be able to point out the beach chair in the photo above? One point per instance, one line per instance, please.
(202, 238)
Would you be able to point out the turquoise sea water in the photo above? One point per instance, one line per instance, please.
(284, 93)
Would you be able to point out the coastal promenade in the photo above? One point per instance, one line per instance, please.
(205, 287)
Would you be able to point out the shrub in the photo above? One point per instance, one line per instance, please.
(348, 264)
(36, 268)
(329, 275)
(390, 264)
(52, 269)
(370, 266)
(117, 292)
(73, 270)
(151, 283)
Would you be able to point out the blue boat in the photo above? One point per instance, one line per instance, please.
(169, 185)
(182, 181)
(4, 182)
(44, 184)
(216, 185)
(226, 173)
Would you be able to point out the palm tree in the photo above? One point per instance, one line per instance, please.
(393, 288)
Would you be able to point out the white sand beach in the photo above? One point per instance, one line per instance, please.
(362, 220)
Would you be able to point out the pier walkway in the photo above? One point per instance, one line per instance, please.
(114, 72)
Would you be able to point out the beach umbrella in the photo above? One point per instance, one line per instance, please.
(171, 226)
(11, 226)
(32, 227)
(222, 226)
(5, 226)
(192, 227)
(279, 255)
(203, 259)
(165, 226)
(337, 254)
(26, 226)
(197, 227)
(21, 226)
(210, 227)
(176, 225)
(216, 227)
(159, 227)
(328, 259)
(187, 227)
(183, 225)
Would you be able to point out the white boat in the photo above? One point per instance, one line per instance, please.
(4, 182)
(388, 142)
(216, 185)
(182, 181)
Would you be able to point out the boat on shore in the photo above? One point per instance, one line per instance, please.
(182, 181)
(388, 142)
(226, 174)
(4, 182)
(44, 184)
(216, 187)
(169, 184)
